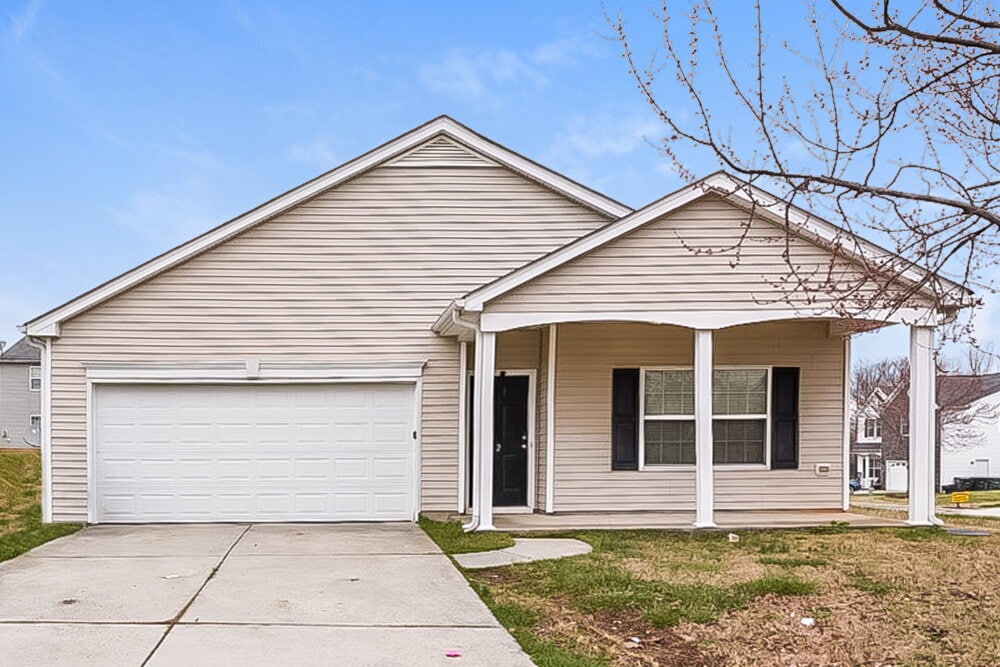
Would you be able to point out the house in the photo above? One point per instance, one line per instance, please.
(967, 429)
(866, 446)
(20, 395)
(320, 358)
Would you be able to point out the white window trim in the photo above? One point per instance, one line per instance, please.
(766, 465)
(642, 420)
(876, 429)
(34, 373)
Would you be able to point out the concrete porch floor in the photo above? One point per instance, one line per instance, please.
(726, 520)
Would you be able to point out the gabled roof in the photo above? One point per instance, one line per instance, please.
(443, 126)
(21, 353)
(734, 191)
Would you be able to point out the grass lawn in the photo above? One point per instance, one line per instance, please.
(888, 596)
(21, 526)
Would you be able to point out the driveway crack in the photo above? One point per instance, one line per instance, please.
(180, 614)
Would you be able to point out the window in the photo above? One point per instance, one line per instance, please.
(34, 420)
(668, 416)
(739, 406)
(34, 378)
(873, 427)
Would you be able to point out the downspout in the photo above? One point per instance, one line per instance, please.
(476, 454)
(44, 346)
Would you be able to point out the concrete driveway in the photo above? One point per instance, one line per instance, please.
(263, 594)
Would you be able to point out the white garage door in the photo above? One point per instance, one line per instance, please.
(177, 453)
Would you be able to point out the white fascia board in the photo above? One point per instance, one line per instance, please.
(48, 323)
(276, 372)
(692, 319)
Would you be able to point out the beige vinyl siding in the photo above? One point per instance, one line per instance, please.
(821, 416)
(586, 356)
(358, 273)
(680, 263)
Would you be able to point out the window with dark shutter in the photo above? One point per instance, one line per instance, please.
(785, 418)
(625, 419)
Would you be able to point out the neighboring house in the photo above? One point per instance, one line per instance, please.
(967, 429)
(320, 358)
(866, 446)
(20, 395)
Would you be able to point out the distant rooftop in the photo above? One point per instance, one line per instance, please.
(21, 352)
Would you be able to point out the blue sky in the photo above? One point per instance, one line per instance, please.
(129, 127)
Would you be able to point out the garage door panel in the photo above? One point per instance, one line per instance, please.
(253, 452)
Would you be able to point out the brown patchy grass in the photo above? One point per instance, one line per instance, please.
(20, 484)
(878, 597)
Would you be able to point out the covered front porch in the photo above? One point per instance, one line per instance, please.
(591, 462)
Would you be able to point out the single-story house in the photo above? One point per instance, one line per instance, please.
(320, 358)
(20, 395)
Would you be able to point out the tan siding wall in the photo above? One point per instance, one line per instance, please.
(657, 268)
(356, 274)
(821, 416)
(588, 353)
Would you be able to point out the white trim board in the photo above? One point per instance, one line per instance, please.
(48, 324)
(254, 370)
(691, 319)
(733, 190)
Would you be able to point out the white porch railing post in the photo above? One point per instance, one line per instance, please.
(704, 476)
(485, 369)
(922, 418)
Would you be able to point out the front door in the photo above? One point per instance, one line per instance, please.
(510, 440)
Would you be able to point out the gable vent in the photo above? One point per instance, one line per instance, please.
(441, 152)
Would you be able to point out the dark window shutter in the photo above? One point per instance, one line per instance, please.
(625, 419)
(784, 418)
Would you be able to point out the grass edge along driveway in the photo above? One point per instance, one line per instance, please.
(21, 527)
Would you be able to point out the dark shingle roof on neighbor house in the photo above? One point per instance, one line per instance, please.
(21, 353)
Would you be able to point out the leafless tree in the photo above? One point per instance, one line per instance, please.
(980, 359)
(889, 120)
(885, 374)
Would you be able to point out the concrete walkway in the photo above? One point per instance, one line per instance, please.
(244, 595)
(524, 551)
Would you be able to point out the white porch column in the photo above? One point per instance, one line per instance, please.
(550, 421)
(704, 478)
(922, 413)
(463, 427)
(486, 347)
